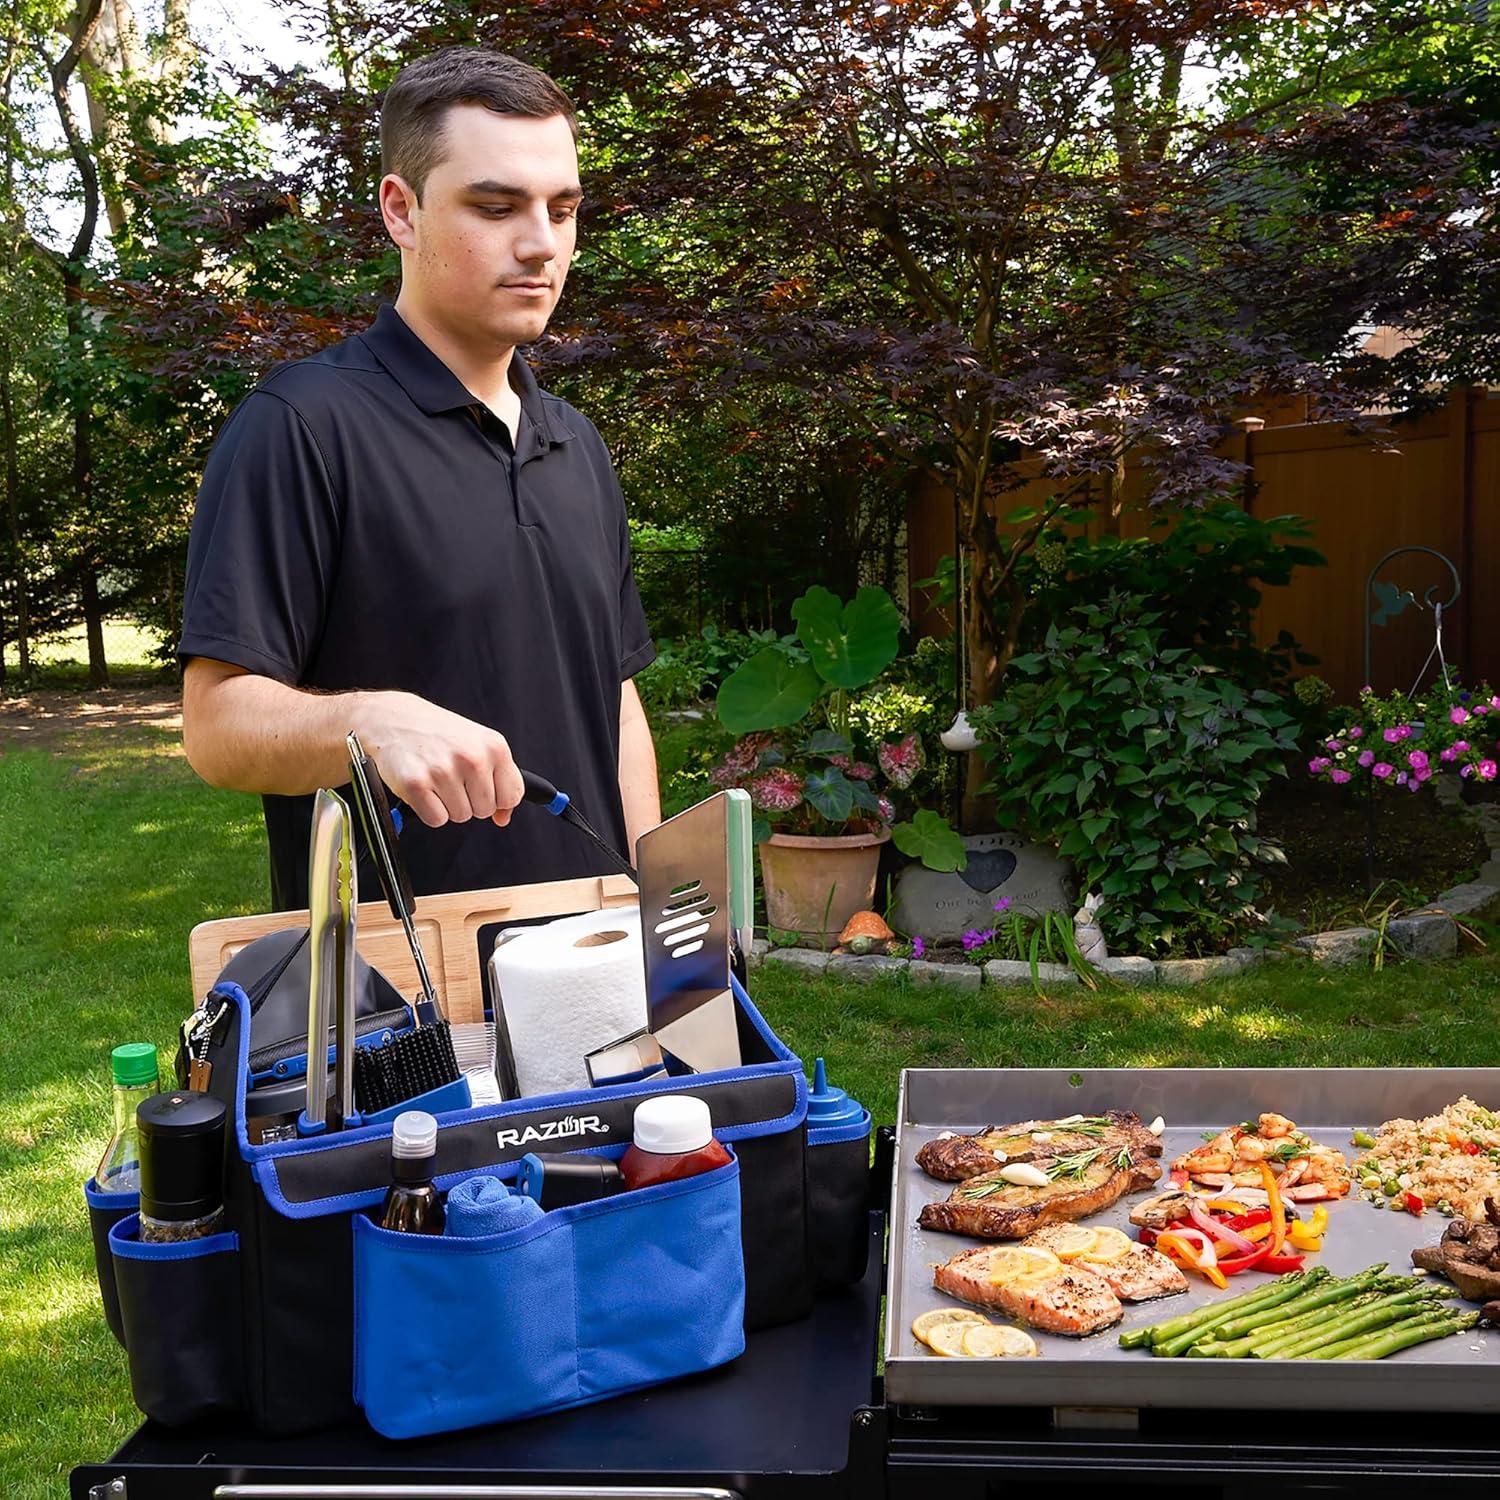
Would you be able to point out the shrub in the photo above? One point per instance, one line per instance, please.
(1144, 764)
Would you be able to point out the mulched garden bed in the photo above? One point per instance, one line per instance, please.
(1419, 848)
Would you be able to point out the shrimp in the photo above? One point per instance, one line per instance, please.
(1253, 1148)
(1274, 1126)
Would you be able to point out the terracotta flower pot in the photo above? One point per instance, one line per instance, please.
(798, 872)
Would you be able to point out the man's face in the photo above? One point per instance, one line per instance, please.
(490, 242)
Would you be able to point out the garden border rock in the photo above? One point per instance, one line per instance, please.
(1429, 933)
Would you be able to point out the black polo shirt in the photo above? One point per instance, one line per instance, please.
(364, 522)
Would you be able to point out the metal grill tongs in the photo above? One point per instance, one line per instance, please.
(332, 896)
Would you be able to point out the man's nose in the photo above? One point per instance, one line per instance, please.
(538, 237)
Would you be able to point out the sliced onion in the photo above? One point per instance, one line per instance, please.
(1221, 1232)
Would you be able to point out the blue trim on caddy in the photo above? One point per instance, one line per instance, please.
(125, 1241)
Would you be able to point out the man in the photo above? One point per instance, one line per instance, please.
(403, 536)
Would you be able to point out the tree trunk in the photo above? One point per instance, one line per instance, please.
(20, 591)
(93, 620)
(83, 475)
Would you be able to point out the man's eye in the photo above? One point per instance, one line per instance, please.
(494, 210)
(562, 215)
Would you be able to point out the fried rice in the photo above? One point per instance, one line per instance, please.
(1451, 1160)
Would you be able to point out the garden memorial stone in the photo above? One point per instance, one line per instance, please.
(943, 905)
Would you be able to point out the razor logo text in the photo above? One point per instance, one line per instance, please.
(552, 1130)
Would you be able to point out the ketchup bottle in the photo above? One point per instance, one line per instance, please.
(673, 1138)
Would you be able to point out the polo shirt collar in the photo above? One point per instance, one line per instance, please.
(435, 388)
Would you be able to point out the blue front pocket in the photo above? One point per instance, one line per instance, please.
(589, 1301)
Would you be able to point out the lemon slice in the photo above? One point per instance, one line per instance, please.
(1069, 1241)
(986, 1341)
(925, 1322)
(948, 1338)
(1022, 1264)
(1110, 1245)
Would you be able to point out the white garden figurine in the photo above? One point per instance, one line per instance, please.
(1087, 931)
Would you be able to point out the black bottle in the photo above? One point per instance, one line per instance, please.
(412, 1204)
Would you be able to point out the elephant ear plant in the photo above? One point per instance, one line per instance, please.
(790, 704)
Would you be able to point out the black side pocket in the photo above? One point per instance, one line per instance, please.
(838, 1192)
(180, 1308)
(105, 1211)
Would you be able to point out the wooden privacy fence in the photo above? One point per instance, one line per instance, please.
(1439, 488)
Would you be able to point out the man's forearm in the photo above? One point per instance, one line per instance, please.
(253, 734)
(639, 791)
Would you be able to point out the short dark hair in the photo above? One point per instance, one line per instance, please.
(414, 112)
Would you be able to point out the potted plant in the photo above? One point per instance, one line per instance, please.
(824, 804)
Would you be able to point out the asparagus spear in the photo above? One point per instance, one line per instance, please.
(1405, 1335)
(1390, 1310)
(1290, 1283)
(1169, 1344)
(1335, 1290)
(1239, 1348)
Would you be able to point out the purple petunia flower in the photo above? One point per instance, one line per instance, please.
(1450, 754)
(973, 938)
(1401, 779)
(1319, 764)
(1356, 733)
(1339, 777)
(1459, 716)
(1417, 760)
(1466, 770)
(1367, 758)
(1003, 904)
(918, 948)
(1413, 785)
(1381, 769)
(1461, 746)
(1390, 736)
(1487, 769)
(1464, 697)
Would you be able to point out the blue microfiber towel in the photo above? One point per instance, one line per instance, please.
(484, 1205)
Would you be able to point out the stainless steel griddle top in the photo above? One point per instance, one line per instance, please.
(1455, 1374)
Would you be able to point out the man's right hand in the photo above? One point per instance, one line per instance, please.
(445, 767)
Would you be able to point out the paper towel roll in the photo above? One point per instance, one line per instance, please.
(567, 988)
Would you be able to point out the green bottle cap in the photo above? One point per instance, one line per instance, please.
(134, 1063)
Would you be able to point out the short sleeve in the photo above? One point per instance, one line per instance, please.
(637, 649)
(263, 549)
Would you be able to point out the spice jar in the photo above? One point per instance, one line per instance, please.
(182, 1166)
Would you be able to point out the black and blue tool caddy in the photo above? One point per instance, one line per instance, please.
(302, 1306)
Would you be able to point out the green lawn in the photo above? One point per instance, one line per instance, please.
(112, 850)
(62, 660)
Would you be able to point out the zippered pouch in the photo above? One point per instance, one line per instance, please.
(588, 1302)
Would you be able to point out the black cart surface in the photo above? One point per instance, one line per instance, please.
(802, 1414)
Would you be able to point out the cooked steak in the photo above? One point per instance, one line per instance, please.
(1075, 1302)
(991, 1208)
(963, 1156)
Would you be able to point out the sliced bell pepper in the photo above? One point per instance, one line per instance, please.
(1251, 1220)
(1258, 1232)
(1414, 1203)
(1278, 1212)
(1280, 1264)
(1256, 1257)
(1177, 1245)
(1471, 1148)
(1178, 1177)
(1300, 1239)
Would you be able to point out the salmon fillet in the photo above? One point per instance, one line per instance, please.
(1076, 1302)
(990, 1208)
(963, 1156)
(1141, 1276)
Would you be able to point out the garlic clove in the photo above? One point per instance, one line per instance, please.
(1023, 1174)
(1157, 1126)
(1041, 1137)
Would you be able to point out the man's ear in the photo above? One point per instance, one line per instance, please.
(398, 205)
